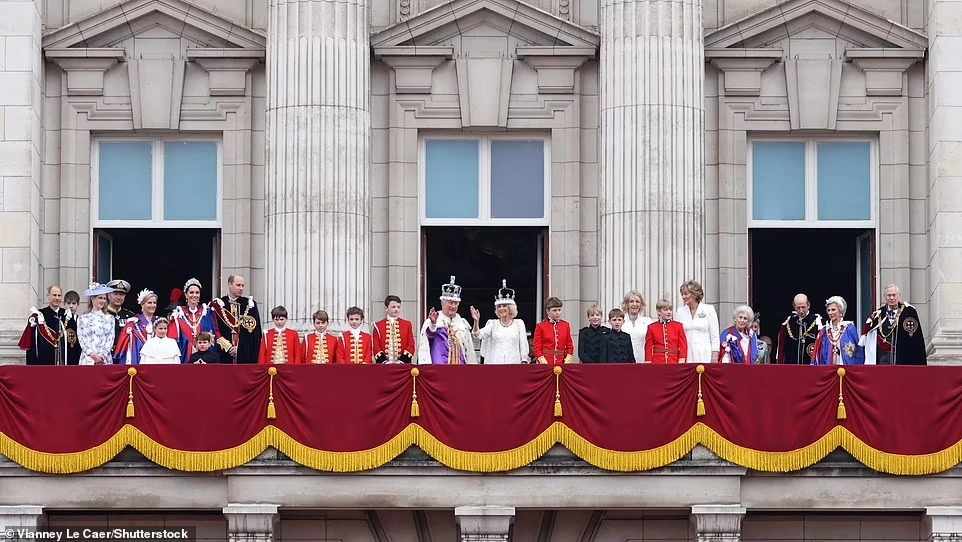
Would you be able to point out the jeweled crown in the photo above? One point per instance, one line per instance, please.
(451, 291)
(505, 295)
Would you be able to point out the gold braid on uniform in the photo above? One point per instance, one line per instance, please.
(320, 351)
(454, 346)
(788, 328)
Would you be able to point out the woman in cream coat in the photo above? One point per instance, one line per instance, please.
(636, 324)
(701, 324)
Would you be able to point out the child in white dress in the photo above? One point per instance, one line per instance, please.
(160, 348)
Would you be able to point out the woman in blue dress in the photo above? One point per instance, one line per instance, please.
(837, 342)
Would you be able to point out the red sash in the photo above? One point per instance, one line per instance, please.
(48, 334)
(225, 314)
(183, 327)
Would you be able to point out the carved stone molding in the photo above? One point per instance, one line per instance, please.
(555, 66)
(718, 523)
(413, 66)
(85, 68)
(484, 523)
(484, 90)
(742, 68)
(884, 68)
(227, 68)
(811, 108)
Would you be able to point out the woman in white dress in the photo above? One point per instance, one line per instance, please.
(503, 341)
(701, 324)
(160, 348)
(636, 324)
(95, 329)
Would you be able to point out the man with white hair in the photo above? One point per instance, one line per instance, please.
(445, 338)
(797, 334)
(892, 335)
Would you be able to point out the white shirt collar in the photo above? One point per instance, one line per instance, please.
(355, 331)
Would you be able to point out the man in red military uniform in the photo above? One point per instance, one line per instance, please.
(319, 346)
(355, 346)
(552, 336)
(393, 336)
(665, 341)
(280, 345)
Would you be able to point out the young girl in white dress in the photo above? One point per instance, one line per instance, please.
(504, 340)
(160, 348)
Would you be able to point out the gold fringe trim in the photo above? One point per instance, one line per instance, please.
(413, 434)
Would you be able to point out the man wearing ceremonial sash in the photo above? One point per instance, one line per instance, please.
(445, 338)
(798, 333)
(892, 334)
(393, 336)
(44, 338)
(238, 323)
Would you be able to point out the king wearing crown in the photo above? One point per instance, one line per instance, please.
(445, 337)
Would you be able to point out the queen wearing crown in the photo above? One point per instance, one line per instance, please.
(503, 340)
(445, 337)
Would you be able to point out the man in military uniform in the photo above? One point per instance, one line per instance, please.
(115, 308)
(45, 336)
(892, 334)
(239, 324)
(798, 333)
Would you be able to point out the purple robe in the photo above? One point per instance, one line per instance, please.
(438, 341)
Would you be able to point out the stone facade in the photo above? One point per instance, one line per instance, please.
(328, 155)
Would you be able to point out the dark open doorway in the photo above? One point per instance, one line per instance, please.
(817, 262)
(158, 259)
(479, 257)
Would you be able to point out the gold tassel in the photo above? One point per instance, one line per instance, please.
(130, 392)
(557, 391)
(700, 409)
(415, 409)
(840, 414)
(271, 411)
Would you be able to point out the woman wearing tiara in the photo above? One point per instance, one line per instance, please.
(137, 330)
(503, 340)
(188, 321)
(95, 329)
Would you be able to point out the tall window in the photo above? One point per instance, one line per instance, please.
(816, 182)
(496, 180)
(172, 183)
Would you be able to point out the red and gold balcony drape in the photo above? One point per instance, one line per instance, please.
(343, 418)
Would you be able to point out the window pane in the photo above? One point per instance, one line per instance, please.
(517, 179)
(125, 192)
(778, 181)
(190, 180)
(451, 178)
(844, 180)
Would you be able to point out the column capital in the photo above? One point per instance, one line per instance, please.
(942, 524)
(484, 523)
(250, 522)
(718, 522)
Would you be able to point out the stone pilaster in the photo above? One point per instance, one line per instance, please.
(250, 522)
(942, 524)
(718, 522)
(21, 154)
(318, 157)
(484, 523)
(944, 74)
(12, 518)
(652, 214)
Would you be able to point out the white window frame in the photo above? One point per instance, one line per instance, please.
(484, 181)
(811, 183)
(156, 184)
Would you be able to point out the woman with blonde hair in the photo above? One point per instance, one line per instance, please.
(636, 324)
(503, 341)
(701, 324)
(95, 328)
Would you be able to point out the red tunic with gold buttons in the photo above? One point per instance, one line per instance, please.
(552, 341)
(665, 342)
(289, 351)
(393, 341)
(316, 352)
(355, 351)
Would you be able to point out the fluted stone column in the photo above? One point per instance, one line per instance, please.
(652, 131)
(318, 146)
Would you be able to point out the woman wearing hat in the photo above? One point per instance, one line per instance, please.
(138, 330)
(95, 329)
(503, 340)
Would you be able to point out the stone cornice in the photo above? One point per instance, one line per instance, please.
(884, 68)
(227, 68)
(742, 68)
(85, 67)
